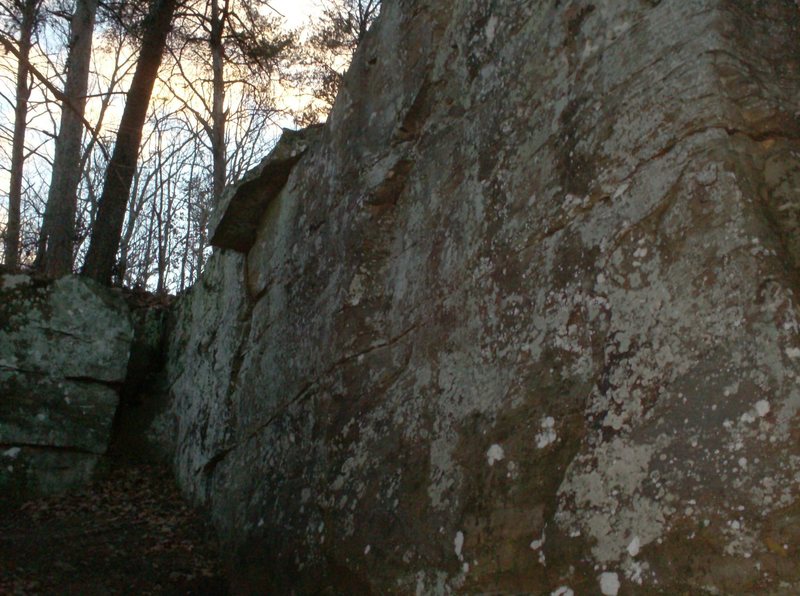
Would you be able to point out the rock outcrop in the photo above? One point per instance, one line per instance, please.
(63, 353)
(523, 319)
(234, 222)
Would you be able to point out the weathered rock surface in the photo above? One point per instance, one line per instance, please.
(524, 319)
(234, 223)
(63, 347)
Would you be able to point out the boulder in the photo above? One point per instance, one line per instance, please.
(524, 319)
(63, 354)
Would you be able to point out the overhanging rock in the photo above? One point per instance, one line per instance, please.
(235, 220)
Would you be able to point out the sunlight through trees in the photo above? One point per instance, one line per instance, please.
(115, 146)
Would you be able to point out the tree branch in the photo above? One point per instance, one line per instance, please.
(11, 47)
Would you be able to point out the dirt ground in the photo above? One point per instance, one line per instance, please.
(129, 533)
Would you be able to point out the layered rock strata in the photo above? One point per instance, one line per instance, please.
(64, 349)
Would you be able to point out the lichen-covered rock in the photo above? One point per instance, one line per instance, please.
(70, 328)
(30, 471)
(203, 360)
(234, 222)
(525, 319)
(63, 350)
(52, 411)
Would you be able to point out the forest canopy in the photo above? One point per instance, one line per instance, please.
(122, 122)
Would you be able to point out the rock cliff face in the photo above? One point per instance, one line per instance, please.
(524, 318)
(63, 353)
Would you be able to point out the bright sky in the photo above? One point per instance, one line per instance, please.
(295, 11)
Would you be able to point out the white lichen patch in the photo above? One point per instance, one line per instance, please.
(355, 293)
(793, 353)
(494, 454)
(572, 202)
(762, 407)
(732, 389)
(634, 546)
(609, 583)
(708, 175)
(9, 282)
(491, 28)
(538, 543)
(547, 434)
(635, 571)
(602, 497)
(427, 582)
(742, 539)
(458, 544)
(513, 470)
(568, 336)
(12, 453)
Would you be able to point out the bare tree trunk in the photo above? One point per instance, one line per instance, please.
(161, 249)
(55, 250)
(125, 242)
(107, 229)
(187, 240)
(218, 116)
(144, 272)
(30, 11)
(202, 238)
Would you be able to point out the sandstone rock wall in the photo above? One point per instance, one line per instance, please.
(63, 355)
(524, 319)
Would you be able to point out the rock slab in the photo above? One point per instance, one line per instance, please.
(63, 353)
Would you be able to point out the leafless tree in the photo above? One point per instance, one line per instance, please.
(57, 238)
(141, 213)
(107, 229)
(24, 16)
(243, 48)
